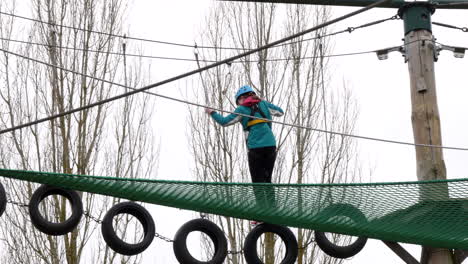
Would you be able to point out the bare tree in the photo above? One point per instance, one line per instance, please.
(105, 140)
(284, 76)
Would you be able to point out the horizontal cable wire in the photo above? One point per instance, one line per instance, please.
(464, 29)
(94, 31)
(195, 46)
(182, 59)
(216, 109)
(453, 4)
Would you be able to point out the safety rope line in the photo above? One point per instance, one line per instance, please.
(448, 5)
(349, 30)
(352, 29)
(187, 74)
(92, 31)
(216, 109)
(464, 29)
(183, 59)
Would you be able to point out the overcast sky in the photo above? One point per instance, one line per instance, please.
(381, 89)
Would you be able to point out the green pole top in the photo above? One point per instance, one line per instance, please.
(416, 15)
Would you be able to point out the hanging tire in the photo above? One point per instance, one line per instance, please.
(250, 243)
(205, 226)
(3, 199)
(50, 228)
(115, 242)
(338, 251)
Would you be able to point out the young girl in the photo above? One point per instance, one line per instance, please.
(261, 142)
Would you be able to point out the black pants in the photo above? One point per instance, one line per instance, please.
(261, 164)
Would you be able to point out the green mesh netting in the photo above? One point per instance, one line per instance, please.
(433, 213)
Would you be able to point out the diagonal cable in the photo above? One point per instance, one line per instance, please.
(464, 29)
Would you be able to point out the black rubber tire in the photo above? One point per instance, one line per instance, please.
(337, 251)
(3, 200)
(50, 228)
(250, 243)
(205, 226)
(114, 241)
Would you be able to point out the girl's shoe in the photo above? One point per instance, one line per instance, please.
(255, 223)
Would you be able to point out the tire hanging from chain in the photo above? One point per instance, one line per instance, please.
(290, 242)
(209, 228)
(335, 250)
(115, 242)
(46, 226)
(3, 200)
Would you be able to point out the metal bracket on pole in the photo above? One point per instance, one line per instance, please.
(383, 53)
(458, 52)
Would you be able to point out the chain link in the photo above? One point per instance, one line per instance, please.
(17, 203)
(307, 244)
(99, 221)
(95, 219)
(157, 235)
(233, 252)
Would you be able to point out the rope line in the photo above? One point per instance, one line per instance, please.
(94, 31)
(464, 29)
(187, 74)
(184, 59)
(205, 106)
(125, 37)
(459, 4)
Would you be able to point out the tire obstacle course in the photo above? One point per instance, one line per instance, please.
(180, 240)
(385, 211)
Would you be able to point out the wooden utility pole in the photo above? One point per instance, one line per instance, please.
(420, 55)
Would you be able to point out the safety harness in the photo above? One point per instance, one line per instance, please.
(255, 109)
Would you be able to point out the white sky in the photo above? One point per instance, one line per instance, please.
(381, 87)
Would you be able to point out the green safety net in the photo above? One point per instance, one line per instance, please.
(432, 213)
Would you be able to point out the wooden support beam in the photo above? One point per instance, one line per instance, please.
(460, 255)
(401, 252)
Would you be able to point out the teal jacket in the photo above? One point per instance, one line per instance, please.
(259, 135)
